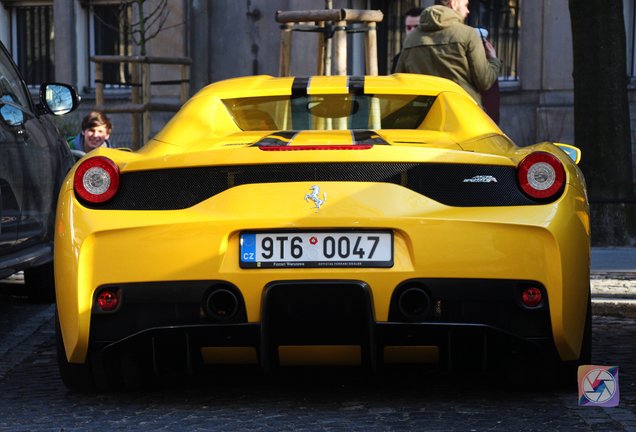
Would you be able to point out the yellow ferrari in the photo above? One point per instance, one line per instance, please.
(329, 220)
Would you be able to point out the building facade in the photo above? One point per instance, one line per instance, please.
(233, 38)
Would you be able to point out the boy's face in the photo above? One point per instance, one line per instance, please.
(94, 137)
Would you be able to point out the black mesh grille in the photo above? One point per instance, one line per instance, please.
(450, 184)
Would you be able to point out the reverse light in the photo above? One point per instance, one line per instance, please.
(541, 175)
(531, 297)
(96, 179)
(107, 300)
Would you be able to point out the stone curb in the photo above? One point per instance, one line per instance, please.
(613, 293)
(620, 308)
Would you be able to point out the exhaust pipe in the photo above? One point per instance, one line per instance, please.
(221, 304)
(414, 304)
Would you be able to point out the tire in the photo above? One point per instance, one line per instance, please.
(39, 284)
(522, 369)
(586, 346)
(568, 370)
(118, 374)
(75, 376)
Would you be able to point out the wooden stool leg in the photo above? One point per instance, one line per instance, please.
(285, 49)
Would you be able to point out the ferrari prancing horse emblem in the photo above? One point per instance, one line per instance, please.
(314, 196)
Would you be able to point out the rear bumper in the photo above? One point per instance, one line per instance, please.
(467, 321)
(167, 253)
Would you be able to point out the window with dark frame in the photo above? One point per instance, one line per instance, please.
(110, 24)
(35, 44)
(629, 15)
(501, 19)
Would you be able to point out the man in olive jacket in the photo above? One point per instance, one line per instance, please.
(444, 46)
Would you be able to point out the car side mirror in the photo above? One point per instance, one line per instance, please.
(58, 99)
(573, 152)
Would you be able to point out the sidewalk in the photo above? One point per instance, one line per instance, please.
(614, 259)
(613, 281)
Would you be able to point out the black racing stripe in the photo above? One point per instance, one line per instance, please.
(280, 138)
(356, 85)
(286, 134)
(367, 137)
(300, 86)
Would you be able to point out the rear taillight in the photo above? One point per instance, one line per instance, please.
(96, 179)
(541, 175)
(107, 300)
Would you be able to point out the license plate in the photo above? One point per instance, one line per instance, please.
(316, 249)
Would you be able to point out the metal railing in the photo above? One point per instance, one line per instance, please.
(34, 43)
(501, 19)
(141, 102)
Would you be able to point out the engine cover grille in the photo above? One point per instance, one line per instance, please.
(458, 185)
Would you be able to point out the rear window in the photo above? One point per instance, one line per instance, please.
(329, 112)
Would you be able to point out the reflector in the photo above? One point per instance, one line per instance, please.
(532, 297)
(107, 300)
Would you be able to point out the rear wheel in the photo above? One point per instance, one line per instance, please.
(524, 367)
(117, 372)
(75, 376)
(568, 370)
(39, 283)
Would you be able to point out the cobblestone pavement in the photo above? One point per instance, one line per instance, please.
(32, 397)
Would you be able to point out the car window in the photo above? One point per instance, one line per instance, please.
(12, 88)
(329, 111)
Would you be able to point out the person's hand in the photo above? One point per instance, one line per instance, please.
(491, 53)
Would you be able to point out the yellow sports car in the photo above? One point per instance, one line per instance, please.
(329, 220)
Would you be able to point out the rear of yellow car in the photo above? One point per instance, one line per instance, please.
(330, 243)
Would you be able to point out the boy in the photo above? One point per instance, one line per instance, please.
(96, 129)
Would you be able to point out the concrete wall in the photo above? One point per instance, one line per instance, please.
(231, 39)
(540, 105)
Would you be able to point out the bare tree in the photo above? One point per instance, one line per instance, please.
(149, 22)
(146, 19)
(601, 117)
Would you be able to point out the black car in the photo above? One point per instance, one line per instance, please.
(34, 159)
